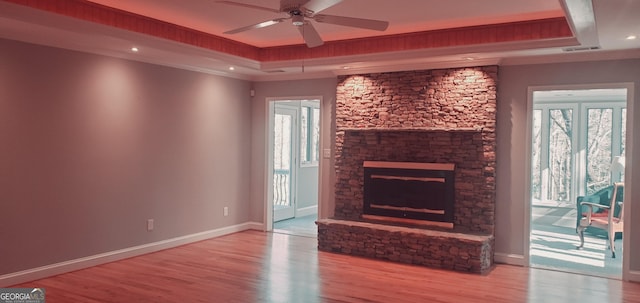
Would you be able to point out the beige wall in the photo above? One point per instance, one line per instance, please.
(91, 147)
(307, 187)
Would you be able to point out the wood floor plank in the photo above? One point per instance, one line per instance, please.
(254, 266)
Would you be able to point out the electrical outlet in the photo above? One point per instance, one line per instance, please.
(225, 211)
(150, 225)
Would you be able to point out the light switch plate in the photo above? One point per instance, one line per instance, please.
(326, 153)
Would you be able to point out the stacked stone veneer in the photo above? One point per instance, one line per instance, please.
(455, 251)
(434, 116)
(474, 186)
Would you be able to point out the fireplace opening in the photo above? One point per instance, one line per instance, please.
(416, 193)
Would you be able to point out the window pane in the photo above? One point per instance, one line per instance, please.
(282, 144)
(623, 140)
(282, 153)
(315, 146)
(536, 177)
(560, 155)
(304, 131)
(624, 131)
(599, 128)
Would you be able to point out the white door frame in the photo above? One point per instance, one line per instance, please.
(268, 189)
(626, 274)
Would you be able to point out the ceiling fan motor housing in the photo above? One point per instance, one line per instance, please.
(289, 6)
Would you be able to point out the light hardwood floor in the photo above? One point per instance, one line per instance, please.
(254, 266)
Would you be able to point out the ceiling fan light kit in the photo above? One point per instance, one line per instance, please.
(300, 10)
(297, 20)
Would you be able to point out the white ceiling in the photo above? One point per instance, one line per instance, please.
(614, 21)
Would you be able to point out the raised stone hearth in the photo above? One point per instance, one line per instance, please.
(433, 116)
(432, 248)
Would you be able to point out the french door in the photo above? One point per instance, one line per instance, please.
(555, 145)
(604, 139)
(573, 147)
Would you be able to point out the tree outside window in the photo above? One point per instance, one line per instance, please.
(309, 133)
(573, 146)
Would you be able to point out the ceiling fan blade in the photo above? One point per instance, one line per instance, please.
(249, 6)
(316, 6)
(310, 35)
(254, 26)
(353, 22)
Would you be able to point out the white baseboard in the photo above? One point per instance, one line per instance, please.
(633, 276)
(511, 259)
(307, 211)
(85, 262)
(256, 226)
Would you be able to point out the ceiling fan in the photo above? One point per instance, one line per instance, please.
(301, 10)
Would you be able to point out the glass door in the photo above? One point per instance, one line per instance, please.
(284, 162)
(605, 131)
(554, 150)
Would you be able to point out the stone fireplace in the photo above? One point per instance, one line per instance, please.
(443, 118)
